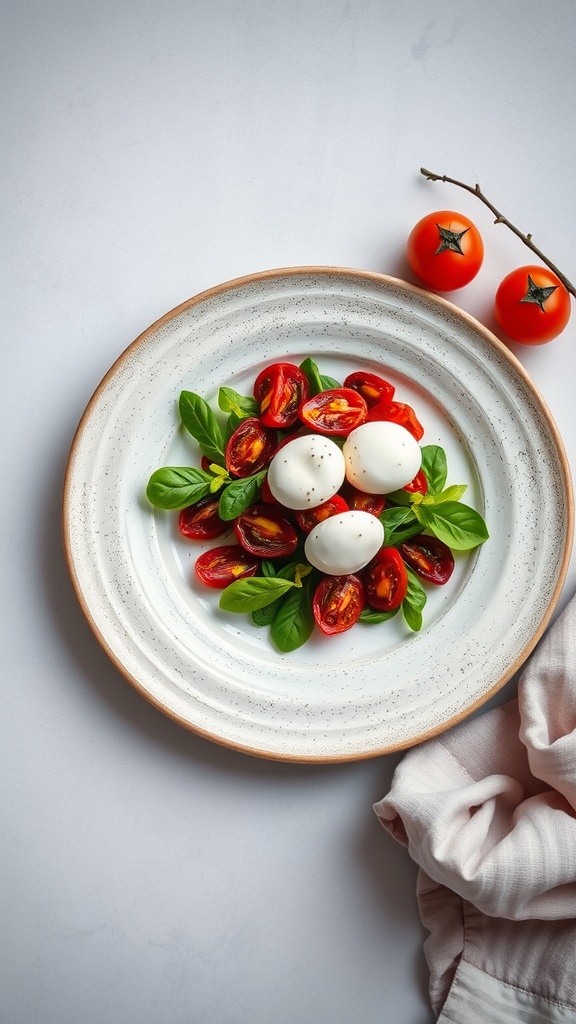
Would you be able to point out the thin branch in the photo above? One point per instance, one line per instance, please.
(501, 219)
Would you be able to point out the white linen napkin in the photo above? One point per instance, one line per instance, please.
(488, 812)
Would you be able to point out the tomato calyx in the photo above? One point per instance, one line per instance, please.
(537, 294)
(450, 240)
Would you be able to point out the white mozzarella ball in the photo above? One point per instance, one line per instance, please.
(381, 457)
(306, 471)
(344, 543)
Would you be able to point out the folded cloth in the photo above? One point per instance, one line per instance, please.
(488, 812)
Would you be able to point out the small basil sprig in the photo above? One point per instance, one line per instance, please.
(175, 487)
(241, 405)
(200, 421)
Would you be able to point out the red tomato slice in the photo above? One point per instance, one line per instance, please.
(419, 485)
(430, 558)
(397, 412)
(337, 411)
(373, 389)
(337, 603)
(220, 566)
(310, 517)
(386, 580)
(279, 390)
(250, 447)
(373, 503)
(201, 520)
(262, 530)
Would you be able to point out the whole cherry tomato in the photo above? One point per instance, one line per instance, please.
(337, 603)
(201, 520)
(429, 557)
(373, 388)
(532, 306)
(397, 412)
(337, 411)
(220, 566)
(445, 250)
(386, 580)
(250, 447)
(279, 390)
(262, 530)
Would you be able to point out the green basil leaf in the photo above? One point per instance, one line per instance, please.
(293, 623)
(200, 421)
(328, 383)
(371, 617)
(458, 525)
(414, 602)
(176, 487)
(241, 405)
(435, 467)
(402, 497)
(312, 374)
(238, 495)
(399, 524)
(267, 567)
(254, 592)
(452, 493)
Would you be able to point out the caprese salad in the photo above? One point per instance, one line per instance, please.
(335, 513)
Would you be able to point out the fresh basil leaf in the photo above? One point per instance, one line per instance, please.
(399, 524)
(200, 421)
(371, 617)
(317, 381)
(238, 495)
(414, 602)
(293, 623)
(458, 525)
(435, 467)
(176, 487)
(267, 567)
(254, 592)
(328, 383)
(241, 405)
(402, 497)
(452, 493)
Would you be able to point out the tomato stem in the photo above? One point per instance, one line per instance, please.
(501, 219)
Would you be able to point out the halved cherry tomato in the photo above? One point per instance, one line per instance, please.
(201, 520)
(373, 388)
(337, 603)
(220, 566)
(532, 305)
(360, 500)
(250, 447)
(419, 485)
(279, 390)
(397, 412)
(337, 411)
(445, 250)
(263, 530)
(308, 518)
(386, 580)
(429, 557)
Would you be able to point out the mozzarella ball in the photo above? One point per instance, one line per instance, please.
(381, 457)
(306, 471)
(344, 543)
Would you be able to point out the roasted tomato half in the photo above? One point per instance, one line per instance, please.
(337, 603)
(250, 448)
(373, 389)
(221, 566)
(310, 517)
(419, 485)
(386, 580)
(374, 503)
(397, 412)
(337, 411)
(429, 557)
(263, 530)
(201, 520)
(279, 390)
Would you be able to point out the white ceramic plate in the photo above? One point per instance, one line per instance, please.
(372, 689)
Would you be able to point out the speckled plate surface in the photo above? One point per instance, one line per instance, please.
(374, 689)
